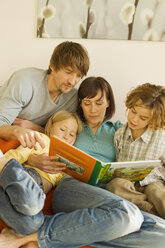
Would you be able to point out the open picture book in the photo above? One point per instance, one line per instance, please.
(86, 168)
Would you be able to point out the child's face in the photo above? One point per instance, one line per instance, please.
(66, 130)
(139, 118)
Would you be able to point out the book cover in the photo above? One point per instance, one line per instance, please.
(86, 168)
(79, 164)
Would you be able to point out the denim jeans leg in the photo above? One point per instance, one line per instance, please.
(102, 216)
(24, 193)
(20, 223)
(61, 231)
(98, 217)
(150, 235)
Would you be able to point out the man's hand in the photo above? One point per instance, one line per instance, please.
(28, 124)
(49, 164)
(27, 133)
(28, 138)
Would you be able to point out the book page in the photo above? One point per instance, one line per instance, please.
(131, 170)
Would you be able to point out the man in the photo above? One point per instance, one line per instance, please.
(31, 95)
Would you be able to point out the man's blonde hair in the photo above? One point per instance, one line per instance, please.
(62, 115)
(149, 96)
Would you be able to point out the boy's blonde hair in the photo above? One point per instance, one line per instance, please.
(151, 96)
(62, 115)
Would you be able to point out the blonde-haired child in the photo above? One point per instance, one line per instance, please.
(24, 187)
(143, 138)
(62, 116)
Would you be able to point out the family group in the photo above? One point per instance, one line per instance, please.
(37, 103)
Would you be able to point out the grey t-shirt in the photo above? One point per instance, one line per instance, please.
(25, 95)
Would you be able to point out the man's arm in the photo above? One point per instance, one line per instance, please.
(27, 138)
(28, 124)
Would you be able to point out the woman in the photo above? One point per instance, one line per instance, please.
(88, 215)
(96, 108)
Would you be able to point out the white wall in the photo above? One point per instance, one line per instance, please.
(123, 63)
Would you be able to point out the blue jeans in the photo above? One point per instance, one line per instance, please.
(93, 216)
(96, 217)
(21, 199)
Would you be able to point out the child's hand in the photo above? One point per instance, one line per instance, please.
(49, 164)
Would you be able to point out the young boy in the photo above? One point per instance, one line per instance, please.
(24, 187)
(142, 138)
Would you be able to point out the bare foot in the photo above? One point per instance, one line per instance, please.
(8, 239)
(31, 245)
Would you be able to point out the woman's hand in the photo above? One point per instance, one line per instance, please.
(49, 164)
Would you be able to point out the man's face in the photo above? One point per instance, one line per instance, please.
(64, 79)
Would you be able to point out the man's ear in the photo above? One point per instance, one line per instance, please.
(52, 67)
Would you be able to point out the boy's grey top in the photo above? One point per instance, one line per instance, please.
(25, 95)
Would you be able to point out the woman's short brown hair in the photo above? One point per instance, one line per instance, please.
(151, 96)
(70, 54)
(89, 88)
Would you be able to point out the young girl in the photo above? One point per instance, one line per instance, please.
(142, 138)
(25, 185)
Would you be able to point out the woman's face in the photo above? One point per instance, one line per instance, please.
(94, 109)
